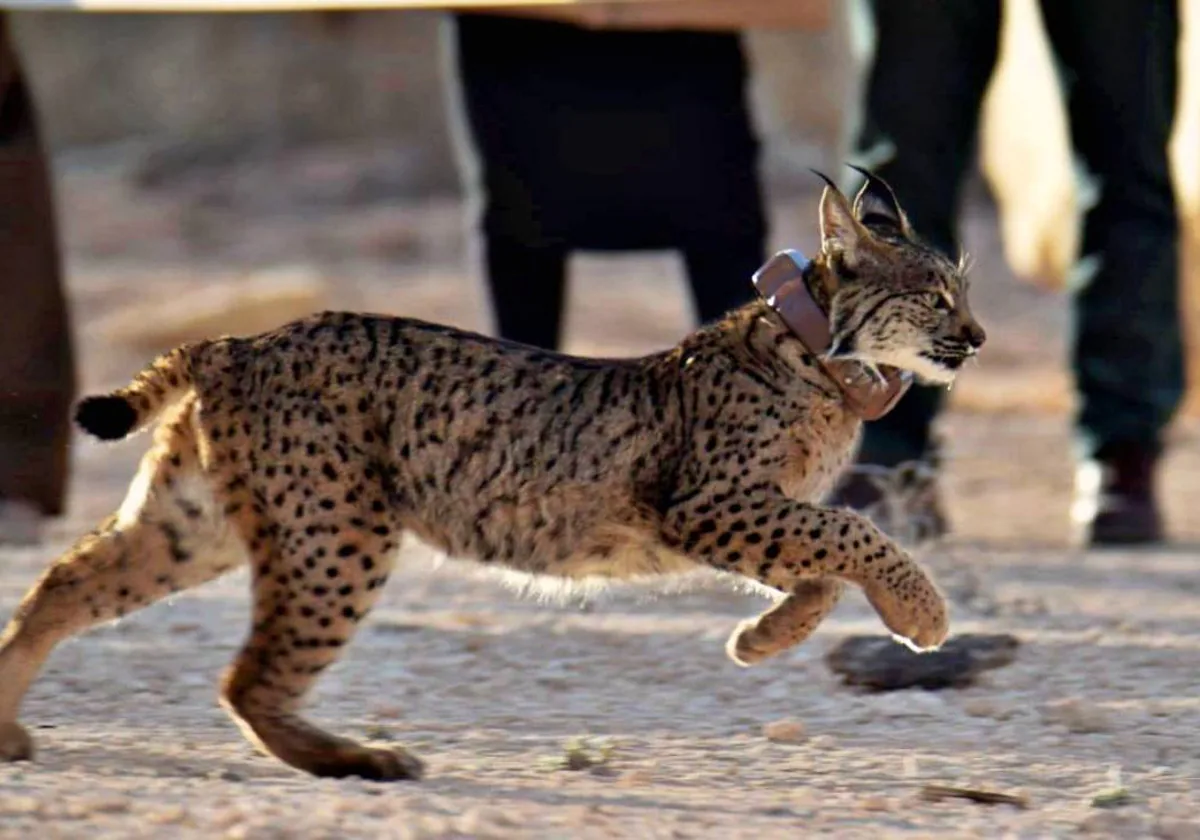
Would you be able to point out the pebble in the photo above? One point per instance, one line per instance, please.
(875, 804)
(784, 732)
(1173, 828)
(18, 805)
(1113, 823)
(1078, 716)
(108, 805)
(635, 778)
(167, 816)
(984, 707)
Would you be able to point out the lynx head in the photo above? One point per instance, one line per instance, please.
(893, 299)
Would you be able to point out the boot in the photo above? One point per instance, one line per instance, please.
(1115, 502)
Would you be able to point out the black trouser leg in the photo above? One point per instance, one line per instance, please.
(928, 76)
(609, 141)
(720, 275)
(1118, 64)
(527, 285)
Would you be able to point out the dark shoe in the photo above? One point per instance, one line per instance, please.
(1115, 503)
(903, 501)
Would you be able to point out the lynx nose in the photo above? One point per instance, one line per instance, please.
(973, 334)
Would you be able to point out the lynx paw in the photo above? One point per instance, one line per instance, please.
(745, 645)
(377, 764)
(916, 614)
(15, 743)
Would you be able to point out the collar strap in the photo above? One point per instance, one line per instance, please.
(780, 283)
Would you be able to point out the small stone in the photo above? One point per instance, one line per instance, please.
(227, 819)
(980, 707)
(875, 804)
(169, 815)
(1078, 716)
(784, 732)
(1174, 828)
(1175, 818)
(75, 811)
(109, 805)
(17, 805)
(1113, 823)
(481, 822)
(635, 778)
(984, 707)
(878, 663)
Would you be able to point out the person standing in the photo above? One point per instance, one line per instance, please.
(608, 140)
(37, 364)
(1117, 62)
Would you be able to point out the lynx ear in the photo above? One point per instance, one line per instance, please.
(840, 231)
(876, 206)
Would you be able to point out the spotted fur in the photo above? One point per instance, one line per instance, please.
(308, 452)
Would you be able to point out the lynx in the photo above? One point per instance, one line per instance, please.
(307, 452)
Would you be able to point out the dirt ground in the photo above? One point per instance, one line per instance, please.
(490, 687)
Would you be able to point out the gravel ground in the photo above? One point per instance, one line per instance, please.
(492, 688)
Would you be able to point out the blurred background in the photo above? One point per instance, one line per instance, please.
(222, 173)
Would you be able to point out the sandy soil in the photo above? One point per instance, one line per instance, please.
(490, 687)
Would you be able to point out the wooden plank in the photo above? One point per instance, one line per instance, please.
(686, 14)
(600, 14)
(236, 6)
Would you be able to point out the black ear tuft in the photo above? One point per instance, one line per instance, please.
(876, 205)
(828, 181)
(840, 231)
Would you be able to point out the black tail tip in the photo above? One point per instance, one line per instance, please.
(107, 417)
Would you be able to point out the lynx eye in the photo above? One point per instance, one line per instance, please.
(941, 301)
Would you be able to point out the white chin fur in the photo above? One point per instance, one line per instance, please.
(925, 371)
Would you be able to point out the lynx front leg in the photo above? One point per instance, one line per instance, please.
(785, 625)
(780, 542)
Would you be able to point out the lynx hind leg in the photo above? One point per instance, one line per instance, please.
(309, 598)
(786, 624)
(167, 536)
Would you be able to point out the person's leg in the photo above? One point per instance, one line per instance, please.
(525, 264)
(931, 66)
(606, 141)
(930, 70)
(720, 209)
(720, 272)
(1118, 64)
(527, 285)
(37, 374)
